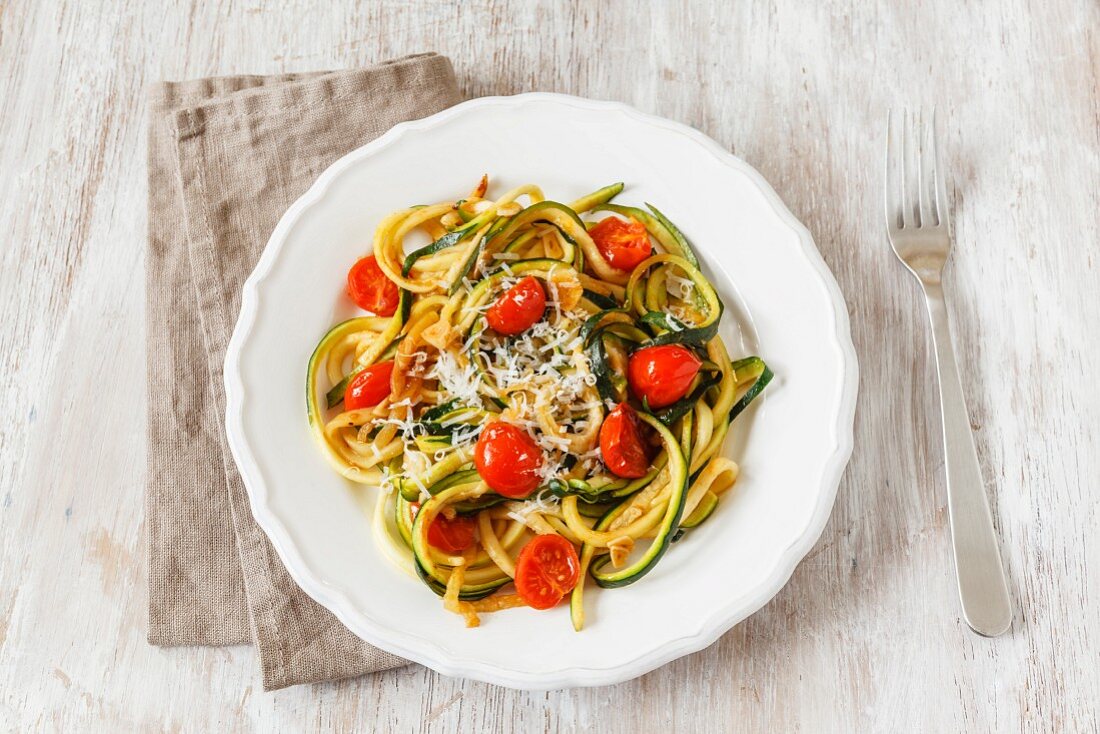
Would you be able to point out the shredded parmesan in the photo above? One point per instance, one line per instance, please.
(461, 382)
(679, 287)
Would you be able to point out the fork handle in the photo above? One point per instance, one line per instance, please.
(983, 588)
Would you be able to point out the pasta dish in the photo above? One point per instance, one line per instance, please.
(541, 393)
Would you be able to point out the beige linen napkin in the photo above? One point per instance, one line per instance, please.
(227, 156)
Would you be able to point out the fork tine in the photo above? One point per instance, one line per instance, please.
(910, 195)
(925, 175)
(894, 173)
(943, 211)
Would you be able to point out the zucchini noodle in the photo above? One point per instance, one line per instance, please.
(557, 381)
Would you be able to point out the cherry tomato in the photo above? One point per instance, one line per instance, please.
(622, 445)
(547, 569)
(662, 375)
(371, 290)
(508, 460)
(369, 387)
(518, 308)
(623, 242)
(454, 535)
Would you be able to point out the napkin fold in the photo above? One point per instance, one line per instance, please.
(227, 156)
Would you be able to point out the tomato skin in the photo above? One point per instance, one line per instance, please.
(518, 308)
(371, 290)
(508, 460)
(621, 443)
(454, 535)
(623, 242)
(547, 569)
(662, 375)
(370, 387)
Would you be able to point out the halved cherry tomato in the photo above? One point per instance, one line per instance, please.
(369, 387)
(371, 290)
(621, 443)
(547, 569)
(518, 308)
(454, 535)
(508, 460)
(623, 242)
(662, 375)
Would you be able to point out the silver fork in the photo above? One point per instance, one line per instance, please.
(918, 224)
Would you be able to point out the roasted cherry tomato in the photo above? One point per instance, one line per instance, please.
(371, 290)
(369, 387)
(623, 242)
(508, 460)
(662, 375)
(547, 569)
(518, 308)
(454, 535)
(621, 443)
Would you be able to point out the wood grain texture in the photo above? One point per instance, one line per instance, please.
(867, 634)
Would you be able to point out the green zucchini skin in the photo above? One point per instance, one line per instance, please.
(466, 268)
(695, 336)
(442, 425)
(702, 511)
(597, 197)
(685, 248)
(448, 240)
(597, 510)
(685, 405)
(599, 364)
(623, 330)
(765, 376)
(663, 321)
(601, 318)
(578, 487)
(599, 300)
(432, 415)
(450, 472)
(678, 479)
(401, 517)
(409, 491)
(462, 476)
(484, 502)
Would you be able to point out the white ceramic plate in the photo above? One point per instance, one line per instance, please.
(782, 303)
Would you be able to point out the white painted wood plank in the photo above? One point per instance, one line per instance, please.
(867, 634)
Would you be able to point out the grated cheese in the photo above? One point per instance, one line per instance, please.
(679, 287)
(460, 382)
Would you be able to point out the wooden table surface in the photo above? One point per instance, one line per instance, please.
(867, 635)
